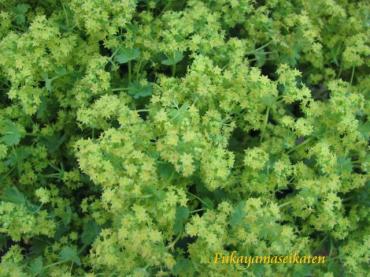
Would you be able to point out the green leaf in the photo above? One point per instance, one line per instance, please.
(137, 90)
(364, 129)
(48, 85)
(182, 214)
(18, 155)
(166, 170)
(90, 231)
(237, 215)
(21, 8)
(177, 115)
(184, 267)
(67, 216)
(303, 270)
(124, 55)
(53, 142)
(20, 11)
(260, 57)
(268, 100)
(209, 203)
(344, 165)
(12, 133)
(13, 195)
(174, 59)
(38, 246)
(36, 266)
(69, 254)
(258, 270)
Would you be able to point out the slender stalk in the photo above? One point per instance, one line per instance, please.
(299, 145)
(65, 14)
(119, 89)
(265, 123)
(285, 204)
(259, 48)
(352, 75)
(340, 70)
(172, 244)
(142, 110)
(198, 198)
(53, 264)
(198, 210)
(137, 75)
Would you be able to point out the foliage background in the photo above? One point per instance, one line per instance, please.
(139, 138)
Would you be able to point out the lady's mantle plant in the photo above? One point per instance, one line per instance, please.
(140, 138)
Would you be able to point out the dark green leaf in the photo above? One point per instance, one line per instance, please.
(69, 254)
(21, 8)
(17, 156)
(90, 232)
(36, 266)
(13, 195)
(67, 216)
(260, 57)
(174, 59)
(364, 129)
(53, 142)
(268, 100)
(238, 215)
(11, 133)
(184, 267)
(125, 55)
(20, 11)
(166, 170)
(344, 165)
(137, 90)
(38, 246)
(209, 203)
(182, 214)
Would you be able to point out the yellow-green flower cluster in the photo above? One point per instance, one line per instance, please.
(143, 137)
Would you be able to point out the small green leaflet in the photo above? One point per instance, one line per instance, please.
(182, 214)
(69, 254)
(11, 133)
(137, 90)
(124, 55)
(174, 59)
(90, 231)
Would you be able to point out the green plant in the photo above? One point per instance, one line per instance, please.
(140, 138)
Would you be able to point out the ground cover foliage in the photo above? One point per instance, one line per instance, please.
(140, 138)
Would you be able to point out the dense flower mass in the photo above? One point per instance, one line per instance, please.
(144, 137)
